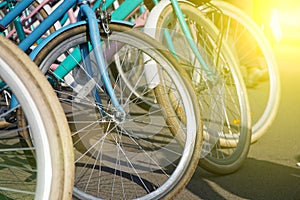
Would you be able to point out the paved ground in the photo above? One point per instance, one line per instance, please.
(270, 172)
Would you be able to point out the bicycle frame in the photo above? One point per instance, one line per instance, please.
(119, 14)
(17, 21)
(187, 33)
(126, 8)
(92, 22)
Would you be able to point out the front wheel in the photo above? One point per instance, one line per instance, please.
(220, 89)
(256, 61)
(40, 164)
(152, 150)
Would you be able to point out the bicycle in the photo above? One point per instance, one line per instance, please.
(37, 12)
(44, 170)
(260, 75)
(169, 139)
(208, 80)
(256, 60)
(215, 138)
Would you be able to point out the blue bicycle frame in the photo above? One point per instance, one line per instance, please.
(92, 23)
(123, 11)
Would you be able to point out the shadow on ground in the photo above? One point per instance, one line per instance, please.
(257, 180)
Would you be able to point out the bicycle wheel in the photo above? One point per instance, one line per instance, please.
(220, 90)
(149, 153)
(50, 175)
(256, 60)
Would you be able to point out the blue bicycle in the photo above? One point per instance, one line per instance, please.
(133, 114)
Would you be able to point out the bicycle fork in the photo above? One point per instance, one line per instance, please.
(99, 56)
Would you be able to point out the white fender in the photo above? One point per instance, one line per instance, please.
(150, 29)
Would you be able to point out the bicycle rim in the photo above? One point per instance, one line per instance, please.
(138, 157)
(256, 60)
(225, 109)
(38, 165)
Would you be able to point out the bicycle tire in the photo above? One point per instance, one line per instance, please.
(52, 175)
(156, 182)
(257, 61)
(222, 152)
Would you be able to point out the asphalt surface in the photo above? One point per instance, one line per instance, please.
(271, 170)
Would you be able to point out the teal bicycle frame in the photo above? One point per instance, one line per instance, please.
(129, 5)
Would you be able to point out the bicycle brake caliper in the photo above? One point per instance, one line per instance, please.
(104, 17)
